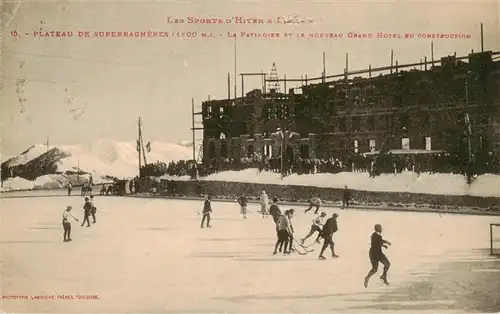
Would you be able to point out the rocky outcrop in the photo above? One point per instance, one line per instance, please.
(44, 164)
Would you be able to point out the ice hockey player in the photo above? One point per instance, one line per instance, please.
(66, 224)
(93, 210)
(264, 202)
(346, 195)
(291, 212)
(314, 202)
(285, 233)
(377, 256)
(87, 208)
(275, 212)
(329, 229)
(243, 201)
(207, 210)
(316, 226)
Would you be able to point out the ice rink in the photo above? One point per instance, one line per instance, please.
(151, 256)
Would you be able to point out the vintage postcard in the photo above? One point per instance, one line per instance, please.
(250, 156)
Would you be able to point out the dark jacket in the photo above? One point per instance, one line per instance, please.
(330, 226)
(87, 208)
(243, 201)
(346, 194)
(274, 211)
(207, 207)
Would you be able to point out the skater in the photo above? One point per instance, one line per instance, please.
(87, 208)
(83, 189)
(275, 212)
(93, 210)
(207, 210)
(284, 233)
(377, 256)
(329, 229)
(264, 202)
(316, 226)
(291, 212)
(243, 201)
(66, 224)
(346, 194)
(70, 188)
(314, 202)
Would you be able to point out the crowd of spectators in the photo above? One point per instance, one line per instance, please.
(373, 164)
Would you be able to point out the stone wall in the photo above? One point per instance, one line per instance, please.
(291, 192)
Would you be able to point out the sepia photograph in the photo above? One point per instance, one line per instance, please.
(245, 156)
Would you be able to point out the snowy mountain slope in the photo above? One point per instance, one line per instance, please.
(105, 157)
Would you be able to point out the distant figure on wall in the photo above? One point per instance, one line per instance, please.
(346, 195)
(131, 187)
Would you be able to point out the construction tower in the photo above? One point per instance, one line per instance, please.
(273, 85)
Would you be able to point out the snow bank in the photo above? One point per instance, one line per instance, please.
(51, 181)
(486, 185)
(425, 183)
(17, 183)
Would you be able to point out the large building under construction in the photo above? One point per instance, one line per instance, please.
(429, 105)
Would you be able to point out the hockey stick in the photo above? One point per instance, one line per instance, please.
(305, 248)
(301, 253)
(308, 246)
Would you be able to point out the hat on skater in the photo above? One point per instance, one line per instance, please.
(335, 215)
(69, 207)
(275, 200)
(323, 214)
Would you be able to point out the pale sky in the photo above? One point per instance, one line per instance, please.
(77, 90)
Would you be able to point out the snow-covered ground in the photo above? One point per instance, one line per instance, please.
(438, 183)
(150, 255)
(487, 185)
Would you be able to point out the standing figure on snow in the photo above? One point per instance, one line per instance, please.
(70, 188)
(87, 208)
(285, 232)
(316, 226)
(346, 195)
(377, 256)
(275, 212)
(66, 224)
(93, 210)
(291, 212)
(314, 202)
(264, 202)
(329, 229)
(243, 201)
(207, 210)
